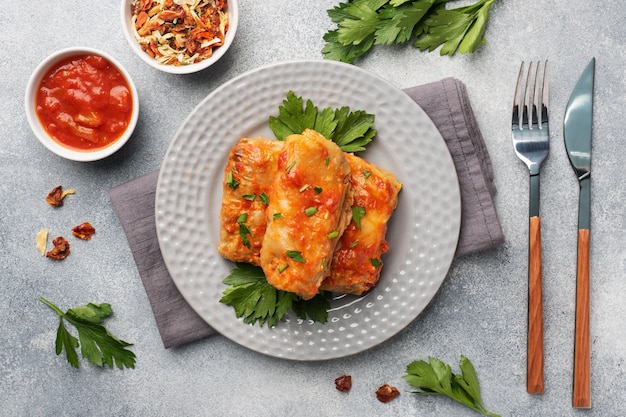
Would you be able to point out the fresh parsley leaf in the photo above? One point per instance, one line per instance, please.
(96, 343)
(351, 131)
(456, 29)
(315, 309)
(361, 24)
(254, 299)
(436, 377)
(292, 117)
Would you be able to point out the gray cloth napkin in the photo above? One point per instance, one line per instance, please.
(447, 104)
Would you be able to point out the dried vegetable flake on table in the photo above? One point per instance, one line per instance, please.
(56, 196)
(42, 241)
(61, 249)
(179, 32)
(84, 231)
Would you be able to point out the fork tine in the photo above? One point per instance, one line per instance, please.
(544, 96)
(535, 117)
(526, 121)
(516, 99)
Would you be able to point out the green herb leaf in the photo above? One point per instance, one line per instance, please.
(295, 255)
(254, 299)
(361, 24)
(96, 343)
(310, 211)
(244, 231)
(264, 198)
(315, 309)
(351, 131)
(436, 377)
(231, 181)
(455, 30)
(358, 213)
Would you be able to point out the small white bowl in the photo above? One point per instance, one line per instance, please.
(43, 136)
(129, 33)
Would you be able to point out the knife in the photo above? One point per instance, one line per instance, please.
(577, 134)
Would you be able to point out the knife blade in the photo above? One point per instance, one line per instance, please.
(577, 133)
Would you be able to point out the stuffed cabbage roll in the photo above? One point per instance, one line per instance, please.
(248, 175)
(309, 208)
(357, 262)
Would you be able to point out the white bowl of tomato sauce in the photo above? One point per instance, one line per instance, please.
(81, 104)
(179, 36)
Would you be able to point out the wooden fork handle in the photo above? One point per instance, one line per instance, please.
(535, 380)
(582, 348)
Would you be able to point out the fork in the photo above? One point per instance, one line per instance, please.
(530, 134)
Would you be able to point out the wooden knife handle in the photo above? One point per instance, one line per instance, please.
(582, 348)
(534, 379)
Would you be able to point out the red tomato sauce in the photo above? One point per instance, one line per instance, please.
(84, 103)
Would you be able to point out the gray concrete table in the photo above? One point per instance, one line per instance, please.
(480, 310)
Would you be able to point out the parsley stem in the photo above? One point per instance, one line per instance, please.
(52, 306)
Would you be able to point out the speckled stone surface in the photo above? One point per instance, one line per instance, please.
(480, 310)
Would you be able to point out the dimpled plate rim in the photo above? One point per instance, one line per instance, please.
(423, 232)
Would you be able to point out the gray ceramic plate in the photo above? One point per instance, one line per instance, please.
(423, 232)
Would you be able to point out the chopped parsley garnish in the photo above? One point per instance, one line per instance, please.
(367, 173)
(249, 197)
(295, 255)
(358, 213)
(254, 299)
(310, 211)
(353, 244)
(264, 198)
(351, 131)
(317, 189)
(327, 161)
(231, 181)
(375, 262)
(304, 188)
(291, 165)
(333, 234)
(281, 269)
(277, 215)
(244, 230)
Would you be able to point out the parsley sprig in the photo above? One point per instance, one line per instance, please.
(362, 24)
(350, 130)
(96, 343)
(436, 377)
(254, 299)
